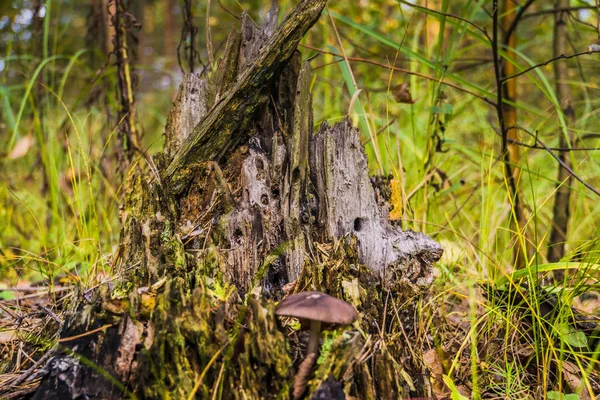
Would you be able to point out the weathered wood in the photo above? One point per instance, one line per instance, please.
(228, 65)
(219, 132)
(295, 185)
(340, 172)
(252, 202)
(189, 108)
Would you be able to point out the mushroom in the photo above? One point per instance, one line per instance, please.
(316, 311)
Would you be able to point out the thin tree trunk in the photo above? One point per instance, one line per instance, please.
(125, 51)
(561, 209)
(108, 9)
(513, 172)
(169, 43)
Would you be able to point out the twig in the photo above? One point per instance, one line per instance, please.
(227, 11)
(579, 21)
(570, 170)
(51, 314)
(559, 149)
(21, 378)
(557, 10)
(68, 339)
(406, 71)
(562, 56)
(515, 22)
(474, 25)
(497, 73)
(209, 49)
(379, 131)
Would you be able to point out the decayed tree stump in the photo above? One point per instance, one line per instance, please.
(245, 200)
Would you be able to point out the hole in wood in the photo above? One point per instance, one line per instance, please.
(296, 174)
(264, 199)
(358, 224)
(260, 169)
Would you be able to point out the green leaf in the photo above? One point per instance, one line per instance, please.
(553, 395)
(455, 395)
(571, 336)
(7, 295)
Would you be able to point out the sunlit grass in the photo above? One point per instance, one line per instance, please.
(470, 212)
(59, 212)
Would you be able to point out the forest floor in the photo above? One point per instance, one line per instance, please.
(484, 329)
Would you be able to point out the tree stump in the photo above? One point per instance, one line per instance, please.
(245, 203)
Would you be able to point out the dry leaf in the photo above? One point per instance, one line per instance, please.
(21, 147)
(396, 199)
(572, 375)
(401, 93)
(8, 336)
(433, 362)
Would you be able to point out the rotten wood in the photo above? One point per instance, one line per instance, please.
(219, 132)
(250, 200)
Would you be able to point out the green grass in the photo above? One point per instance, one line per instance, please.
(473, 220)
(59, 209)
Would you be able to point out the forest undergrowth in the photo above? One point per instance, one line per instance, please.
(475, 170)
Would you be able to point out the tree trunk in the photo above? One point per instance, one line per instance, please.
(247, 203)
(513, 158)
(561, 209)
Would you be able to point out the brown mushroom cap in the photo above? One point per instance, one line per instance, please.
(317, 306)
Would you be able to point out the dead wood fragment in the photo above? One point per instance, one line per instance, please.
(220, 130)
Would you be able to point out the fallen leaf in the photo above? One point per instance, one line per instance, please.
(8, 336)
(21, 147)
(433, 362)
(401, 94)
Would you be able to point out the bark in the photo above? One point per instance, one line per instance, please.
(246, 200)
(169, 35)
(125, 50)
(513, 159)
(561, 209)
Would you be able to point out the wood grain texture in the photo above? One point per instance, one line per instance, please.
(220, 131)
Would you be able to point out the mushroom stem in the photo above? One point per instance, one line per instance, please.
(315, 335)
(303, 375)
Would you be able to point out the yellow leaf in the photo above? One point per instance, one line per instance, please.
(396, 199)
